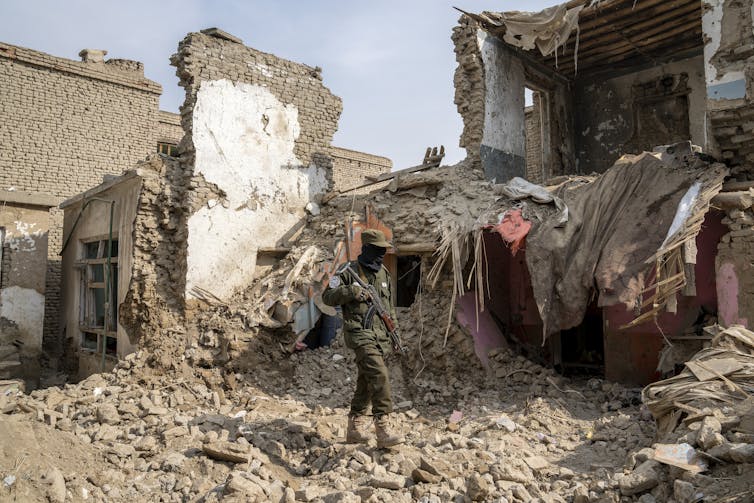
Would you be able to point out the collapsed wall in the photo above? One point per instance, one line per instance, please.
(254, 156)
(152, 312)
(490, 83)
(729, 60)
(729, 67)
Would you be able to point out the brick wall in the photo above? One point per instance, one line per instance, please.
(730, 56)
(534, 171)
(63, 125)
(470, 90)
(258, 132)
(169, 128)
(201, 58)
(351, 168)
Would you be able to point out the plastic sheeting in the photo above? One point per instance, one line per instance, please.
(518, 188)
(684, 211)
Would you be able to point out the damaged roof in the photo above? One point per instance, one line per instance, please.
(584, 37)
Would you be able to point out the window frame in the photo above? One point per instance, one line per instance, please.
(167, 148)
(89, 328)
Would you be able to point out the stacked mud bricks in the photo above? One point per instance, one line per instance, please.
(351, 169)
(65, 124)
(216, 55)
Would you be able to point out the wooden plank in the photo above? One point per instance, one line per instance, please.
(657, 53)
(733, 200)
(407, 248)
(737, 186)
(685, 50)
(643, 41)
(610, 34)
(646, 13)
(389, 176)
(274, 250)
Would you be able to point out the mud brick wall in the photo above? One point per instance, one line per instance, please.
(469, 86)
(153, 309)
(63, 125)
(351, 168)
(202, 58)
(734, 131)
(729, 55)
(169, 128)
(533, 145)
(256, 152)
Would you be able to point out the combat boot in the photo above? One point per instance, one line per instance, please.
(385, 437)
(357, 430)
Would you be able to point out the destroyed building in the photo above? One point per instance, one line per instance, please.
(64, 126)
(525, 307)
(591, 105)
(612, 78)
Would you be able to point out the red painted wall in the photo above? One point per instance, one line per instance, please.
(631, 355)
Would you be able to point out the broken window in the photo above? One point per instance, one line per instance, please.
(409, 275)
(98, 316)
(170, 149)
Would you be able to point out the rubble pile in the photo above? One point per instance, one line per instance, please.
(275, 434)
(423, 327)
(705, 418)
(236, 417)
(515, 432)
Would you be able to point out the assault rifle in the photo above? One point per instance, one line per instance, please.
(376, 307)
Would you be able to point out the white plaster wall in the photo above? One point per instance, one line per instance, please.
(244, 139)
(26, 308)
(22, 297)
(504, 120)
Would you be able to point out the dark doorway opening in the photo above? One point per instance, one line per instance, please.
(409, 274)
(583, 347)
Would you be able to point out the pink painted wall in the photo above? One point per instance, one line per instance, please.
(631, 355)
(484, 330)
(727, 293)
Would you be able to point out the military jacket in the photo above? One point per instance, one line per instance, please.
(339, 294)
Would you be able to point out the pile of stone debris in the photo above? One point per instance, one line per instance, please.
(518, 432)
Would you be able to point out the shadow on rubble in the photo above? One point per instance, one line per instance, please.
(286, 447)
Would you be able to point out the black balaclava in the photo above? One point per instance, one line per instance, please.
(371, 257)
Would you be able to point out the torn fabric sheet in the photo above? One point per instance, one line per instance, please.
(546, 30)
(513, 228)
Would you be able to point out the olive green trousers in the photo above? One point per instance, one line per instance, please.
(373, 382)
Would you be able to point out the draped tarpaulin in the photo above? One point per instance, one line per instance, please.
(618, 232)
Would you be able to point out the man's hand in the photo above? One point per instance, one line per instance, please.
(358, 293)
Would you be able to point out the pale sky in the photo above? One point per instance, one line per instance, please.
(391, 61)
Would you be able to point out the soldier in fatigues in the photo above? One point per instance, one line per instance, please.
(370, 345)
